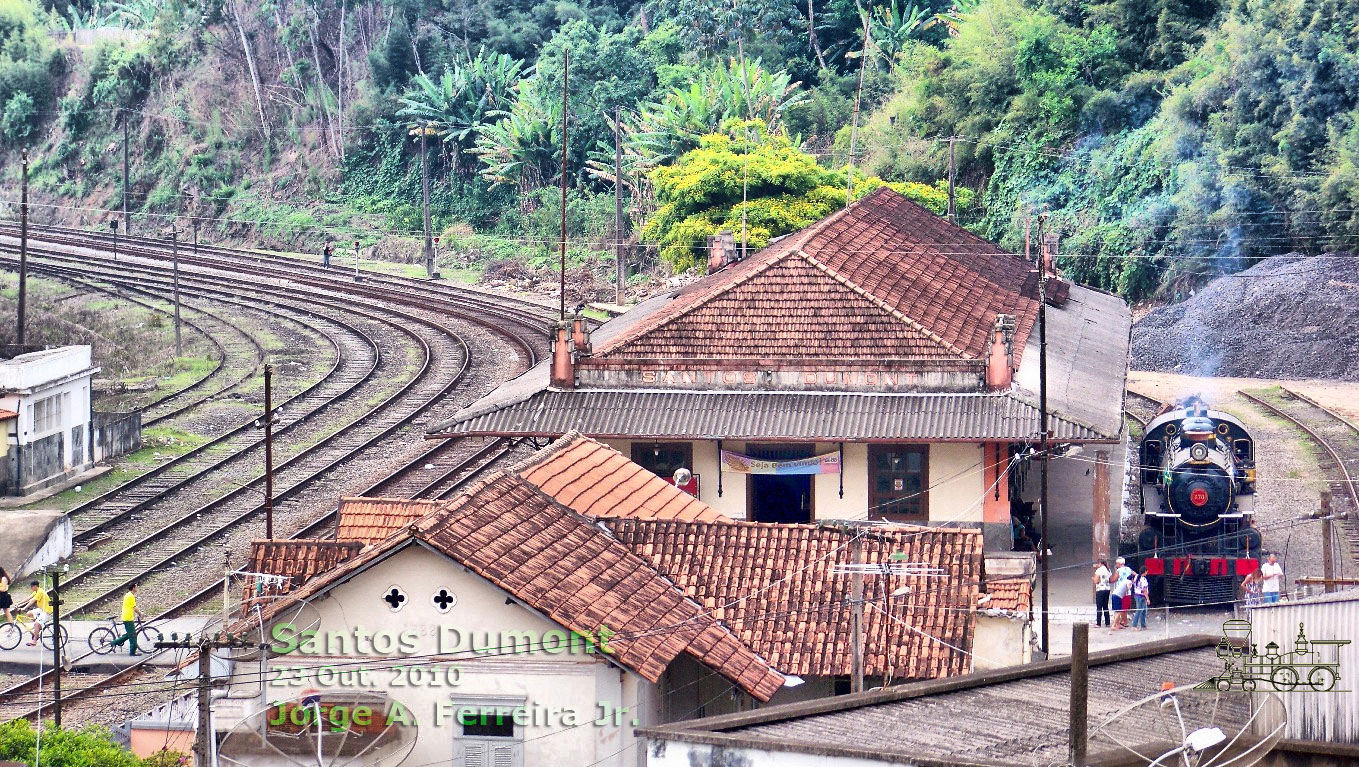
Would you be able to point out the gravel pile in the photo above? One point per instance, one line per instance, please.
(1286, 317)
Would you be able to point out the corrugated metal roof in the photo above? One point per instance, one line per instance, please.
(633, 413)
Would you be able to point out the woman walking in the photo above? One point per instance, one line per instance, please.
(1141, 595)
(1101, 581)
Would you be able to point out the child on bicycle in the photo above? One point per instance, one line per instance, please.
(6, 600)
(41, 611)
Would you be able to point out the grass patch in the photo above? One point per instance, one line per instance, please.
(159, 444)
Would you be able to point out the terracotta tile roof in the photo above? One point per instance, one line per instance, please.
(294, 562)
(369, 520)
(1008, 594)
(776, 588)
(938, 281)
(5, 415)
(564, 566)
(593, 479)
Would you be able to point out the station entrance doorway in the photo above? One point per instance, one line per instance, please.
(779, 497)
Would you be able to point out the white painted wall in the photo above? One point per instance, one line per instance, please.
(36, 369)
(999, 641)
(679, 754)
(546, 682)
(955, 467)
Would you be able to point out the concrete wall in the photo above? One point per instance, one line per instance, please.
(43, 454)
(680, 754)
(38, 369)
(116, 434)
(955, 473)
(1000, 640)
(545, 683)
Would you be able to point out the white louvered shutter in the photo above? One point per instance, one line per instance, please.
(474, 754)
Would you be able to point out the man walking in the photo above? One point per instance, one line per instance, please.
(131, 614)
(1271, 573)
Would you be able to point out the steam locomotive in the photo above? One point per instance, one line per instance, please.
(1198, 503)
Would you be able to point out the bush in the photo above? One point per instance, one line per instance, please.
(17, 121)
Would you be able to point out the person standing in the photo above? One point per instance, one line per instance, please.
(6, 599)
(326, 254)
(131, 614)
(1271, 574)
(1141, 600)
(1101, 581)
(1121, 600)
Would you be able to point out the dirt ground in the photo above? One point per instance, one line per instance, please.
(1290, 480)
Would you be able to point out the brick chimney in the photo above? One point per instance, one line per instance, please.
(721, 250)
(999, 363)
(580, 334)
(563, 362)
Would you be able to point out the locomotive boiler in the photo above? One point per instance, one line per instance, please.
(1198, 503)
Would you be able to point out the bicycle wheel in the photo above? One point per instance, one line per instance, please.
(101, 640)
(147, 637)
(11, 634)
(48, 637)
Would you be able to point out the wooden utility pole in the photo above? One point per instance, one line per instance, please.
(174, 250)
(127, 222)
(56, 647)
(268, 452)
(620, 266)
(23, 251)
(952, 177)
(566, 121)
(428, 251)
(1080, 693)
(204, 645)
(1327, 554)
(854, 119)
(1045, 544)
(856, 614)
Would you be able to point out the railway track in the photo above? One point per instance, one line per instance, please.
(181, 540)
(1335, 440)
(1140, 408)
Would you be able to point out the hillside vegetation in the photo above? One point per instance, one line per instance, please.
(1169, 139)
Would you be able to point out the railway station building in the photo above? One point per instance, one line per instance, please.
(45, 407)
(882, 364)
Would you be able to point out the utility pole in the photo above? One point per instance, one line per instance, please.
(1080, 693)
(566, 121)
(620, 267)
(268, 452)
(195, 235)
(174, 250)
(854, 120)
(127, 222)
(204, 645)
(856, 614)
(226, 588)
(23, 250)
(952, 176)
(1046, 544)
(428, 252)
(1327, 554)
(56, 647)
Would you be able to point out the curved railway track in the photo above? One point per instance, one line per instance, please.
(1140, 408)
(278, 282)
(1336, 445)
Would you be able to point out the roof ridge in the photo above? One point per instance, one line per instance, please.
(878, 302)
(539, 457)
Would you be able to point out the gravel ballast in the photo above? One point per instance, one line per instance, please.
(1286, 317)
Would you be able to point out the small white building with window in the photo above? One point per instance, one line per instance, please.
(50, 425)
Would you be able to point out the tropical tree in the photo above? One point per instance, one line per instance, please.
(463, 100)
(522, 148)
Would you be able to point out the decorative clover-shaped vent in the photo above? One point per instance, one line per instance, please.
(395, 598)
(444, 600)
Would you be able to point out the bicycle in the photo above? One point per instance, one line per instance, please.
(103, 637)
(13, 632)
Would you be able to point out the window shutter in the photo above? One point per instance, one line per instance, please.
(506, 755)
(474, 754)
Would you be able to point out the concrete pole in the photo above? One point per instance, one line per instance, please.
(566, 116)
(856, 614)
(269, 451)
(174, 250)
(952, 176)
(56, 647)
(23, 252)
(1046, 544)
(428, 251)
(1080, 692)
(620, 267)
(127, 222)
(202, 751)
(1327, 553)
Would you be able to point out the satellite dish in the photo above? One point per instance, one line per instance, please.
(1188, 727)
(325, 728)
(682, 477)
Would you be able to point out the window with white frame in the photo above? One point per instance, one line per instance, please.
(46, 413)
(485, 733)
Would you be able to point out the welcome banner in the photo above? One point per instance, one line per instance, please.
(744, 464)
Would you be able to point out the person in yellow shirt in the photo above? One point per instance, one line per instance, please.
(131, 614)
(41, 612)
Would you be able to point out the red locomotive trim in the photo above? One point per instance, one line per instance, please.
(1217, 566)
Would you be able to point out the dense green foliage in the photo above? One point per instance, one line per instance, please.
(90, 747)
(1169, 139)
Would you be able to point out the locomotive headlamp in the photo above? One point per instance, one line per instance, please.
(1199, 452)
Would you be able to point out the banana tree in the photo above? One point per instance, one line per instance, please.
(466, 97)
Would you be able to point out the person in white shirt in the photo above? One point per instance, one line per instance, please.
(1101, 581)
(1271, 574)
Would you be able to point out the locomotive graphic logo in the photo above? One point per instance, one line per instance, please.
(1198, 504)
(1312, 665)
